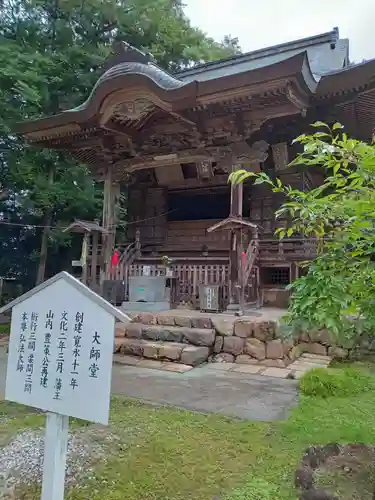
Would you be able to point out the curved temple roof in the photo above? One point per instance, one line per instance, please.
(316, 68)
(133, 81)
(155, 74)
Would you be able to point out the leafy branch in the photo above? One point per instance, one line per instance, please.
(338, 291)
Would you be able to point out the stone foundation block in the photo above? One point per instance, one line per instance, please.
(287, 346)
(166, 320)
(338, 352)
(181, 321)
(245, 359)
(314, 348)
(255, 348)
(133, 331)
(163, 333)
(151, 351)
(323, 337)
(223, 327)
(132, 346)
(275, 349)
(223, 357)
(304, 337)
(295, 352)
(171, 351)
(234, 345)
(243, 328)
(199, 336)
(120, 330)
(201, 322)
(145, 318)
(118, 343)
(265, 330)
(194, 355)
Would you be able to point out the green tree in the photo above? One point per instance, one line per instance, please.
(51, 53)
(338, 291)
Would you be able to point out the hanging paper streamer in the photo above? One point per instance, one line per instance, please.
(84, 252)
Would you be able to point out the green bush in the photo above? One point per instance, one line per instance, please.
(255, 489)
(328, 382)
(5, 329)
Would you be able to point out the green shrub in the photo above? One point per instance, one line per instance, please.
(5, 329)
(328, 382)
(255, 489)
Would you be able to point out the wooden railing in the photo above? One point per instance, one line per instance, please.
(290, 248)
(210, 272)
(190, 276)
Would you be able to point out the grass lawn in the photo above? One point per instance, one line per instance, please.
(167, 454)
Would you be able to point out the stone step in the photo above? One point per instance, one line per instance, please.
(168, 366)
(4, 341)
(195, 336)
(158, 350)
(170, 319)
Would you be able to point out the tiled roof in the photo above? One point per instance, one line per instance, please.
(326, 53)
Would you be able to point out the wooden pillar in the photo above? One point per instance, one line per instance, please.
(110, 204)
(94, 258)
(235, 252)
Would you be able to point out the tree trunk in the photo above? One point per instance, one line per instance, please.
(44, 243)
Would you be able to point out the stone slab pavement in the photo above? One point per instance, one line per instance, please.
(246, 396)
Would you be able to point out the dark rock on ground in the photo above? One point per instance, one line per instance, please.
(313, 457)
(304, 478)
(331, 450)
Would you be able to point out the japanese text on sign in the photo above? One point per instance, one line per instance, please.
(60, 355)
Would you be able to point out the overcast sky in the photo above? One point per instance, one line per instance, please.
(262, 23)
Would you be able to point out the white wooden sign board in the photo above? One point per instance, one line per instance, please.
(60, 361)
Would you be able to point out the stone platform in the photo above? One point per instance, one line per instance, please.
(191, 338)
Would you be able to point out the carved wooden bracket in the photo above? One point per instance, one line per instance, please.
(224, 156)
(132, 110)
(280, 155)
(297, 99)
(245, 156)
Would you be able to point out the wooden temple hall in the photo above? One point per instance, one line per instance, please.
(169, 142)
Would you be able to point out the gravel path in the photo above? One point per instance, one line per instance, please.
(21, 461)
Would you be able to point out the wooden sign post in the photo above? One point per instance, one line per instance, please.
(60, 361)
